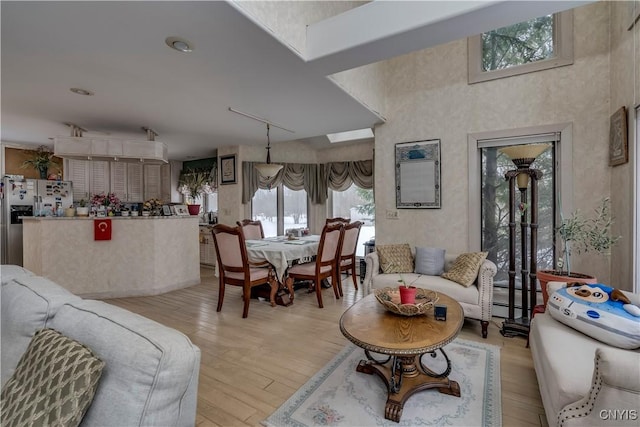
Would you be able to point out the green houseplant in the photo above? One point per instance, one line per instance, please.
(578, 234)
(193, 184)
(41, 160)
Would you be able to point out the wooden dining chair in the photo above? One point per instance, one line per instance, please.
(234, 267)
(252, 229)
(337, 220)
(347, 259)
(325, 265)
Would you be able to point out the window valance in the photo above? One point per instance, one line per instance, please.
(315, 179)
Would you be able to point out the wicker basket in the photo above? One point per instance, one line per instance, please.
(390, 300)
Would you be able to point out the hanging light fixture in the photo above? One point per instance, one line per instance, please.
(268, 170)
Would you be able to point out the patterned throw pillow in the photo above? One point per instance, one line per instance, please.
(53, 384)
(465, 269)
(395, 258)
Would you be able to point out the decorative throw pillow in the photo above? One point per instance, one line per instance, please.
(465, 268)
(395, 258)
(53, 384)
(430, 261)
(599, 311)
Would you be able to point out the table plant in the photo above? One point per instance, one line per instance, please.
(407, 293)
(193, 184)
(41, 160)
(579, 234)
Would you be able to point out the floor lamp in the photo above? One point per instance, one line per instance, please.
(524, 177)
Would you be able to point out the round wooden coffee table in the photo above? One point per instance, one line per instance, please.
(405, 340)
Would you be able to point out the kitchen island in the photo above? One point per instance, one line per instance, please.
(145, 256)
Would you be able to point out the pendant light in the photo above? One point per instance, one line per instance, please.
(268, 170)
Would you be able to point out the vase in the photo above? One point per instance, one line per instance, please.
(193, 209)
(546, 276)
(407, 294)
(82, 211)
(43, 173)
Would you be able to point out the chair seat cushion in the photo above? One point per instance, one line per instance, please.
(254, 274)
(308, 269)
(346, 263)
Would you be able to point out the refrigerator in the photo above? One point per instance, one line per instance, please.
(27, 197)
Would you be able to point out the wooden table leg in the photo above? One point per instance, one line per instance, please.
(288, 282)
(405, 380)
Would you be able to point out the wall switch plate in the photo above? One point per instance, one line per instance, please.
(392, 214)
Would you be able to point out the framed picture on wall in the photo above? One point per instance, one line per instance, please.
(618, 143)
(228, 169)
(418, 174)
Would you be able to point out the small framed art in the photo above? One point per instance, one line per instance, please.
(618, 143)
(228, 169)
(166, 210)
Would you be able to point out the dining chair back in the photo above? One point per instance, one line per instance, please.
(325, 265)
(347, 260)
(337, 220)
(252, 229)
(234, 267)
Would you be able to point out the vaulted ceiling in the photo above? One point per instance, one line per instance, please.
(117, 50)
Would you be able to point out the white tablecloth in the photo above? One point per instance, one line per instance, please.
(280, 252)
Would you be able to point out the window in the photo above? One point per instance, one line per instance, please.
(280, 209)
(357, 204)
(534, 45)
(488, 198)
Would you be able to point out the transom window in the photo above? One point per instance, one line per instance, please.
(534, 45)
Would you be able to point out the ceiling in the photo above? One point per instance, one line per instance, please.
(117, 50)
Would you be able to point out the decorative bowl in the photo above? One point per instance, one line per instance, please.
(390, 300)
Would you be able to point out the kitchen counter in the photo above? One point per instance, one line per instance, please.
(84, 218)
(145, 256)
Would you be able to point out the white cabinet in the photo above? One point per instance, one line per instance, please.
(131, 182)
(126, 181)
(98, 177)
(135, 182)
(89, 177)
(78, 172)
(152, 182)
(208, 255)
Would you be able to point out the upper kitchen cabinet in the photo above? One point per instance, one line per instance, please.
(127, 181)
(89, 177)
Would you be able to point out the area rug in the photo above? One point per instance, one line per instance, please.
(339, 396)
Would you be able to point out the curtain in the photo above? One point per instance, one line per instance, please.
(315, 179)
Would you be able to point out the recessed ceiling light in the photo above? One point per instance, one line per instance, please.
(179, 44)
(80, 91)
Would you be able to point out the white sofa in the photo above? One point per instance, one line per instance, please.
(151, 371)
(582, 381)
(476, 300)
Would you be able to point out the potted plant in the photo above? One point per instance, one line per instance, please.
(407, 293)
(193, 184)
(41, 160)
(82, 209)
(580, 235)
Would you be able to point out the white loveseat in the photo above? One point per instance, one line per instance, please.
(582, 381)
(476, 300)
(151, 371)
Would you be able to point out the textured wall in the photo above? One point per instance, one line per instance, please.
(625, 88)
(428, 97)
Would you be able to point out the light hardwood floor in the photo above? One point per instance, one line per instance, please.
(251, 366)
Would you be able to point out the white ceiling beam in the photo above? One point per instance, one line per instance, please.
(384, 29)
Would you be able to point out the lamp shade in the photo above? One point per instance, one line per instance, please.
(268, 170)
(523, 155)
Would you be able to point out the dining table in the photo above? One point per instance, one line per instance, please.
(281, 252)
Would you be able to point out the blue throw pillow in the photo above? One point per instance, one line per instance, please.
(429, 261)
